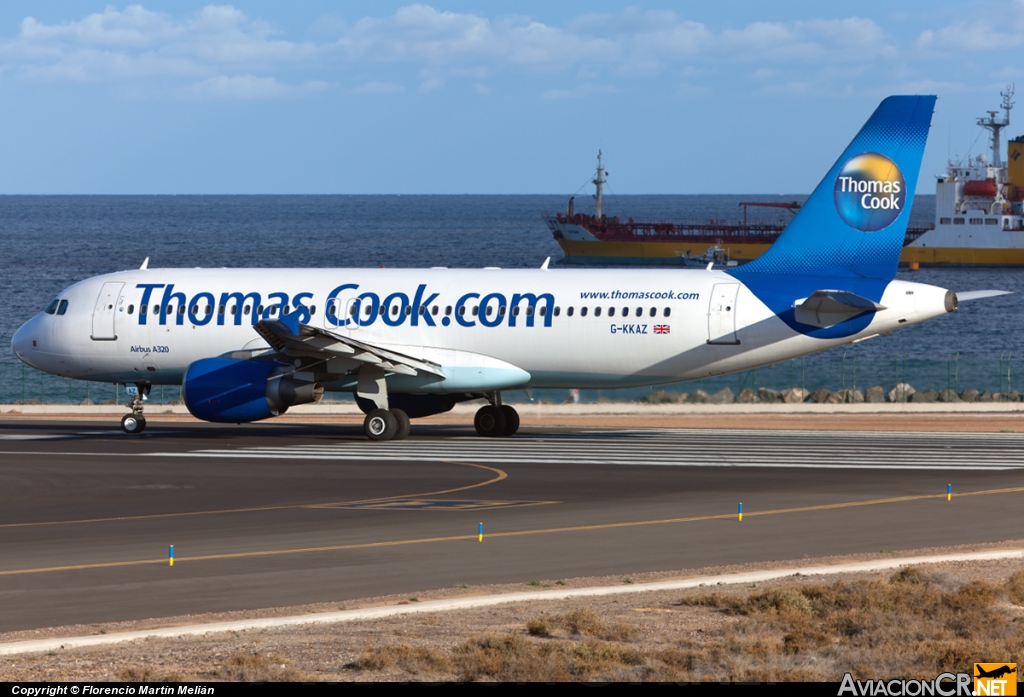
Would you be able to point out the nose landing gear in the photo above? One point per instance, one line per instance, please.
(135, 422)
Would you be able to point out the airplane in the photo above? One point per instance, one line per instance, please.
(248, 344)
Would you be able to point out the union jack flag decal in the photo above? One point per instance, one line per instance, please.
(661, 329)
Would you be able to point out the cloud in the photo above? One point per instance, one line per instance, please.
(584, 90)
(374, 87)
(249, 87)
(997, 27)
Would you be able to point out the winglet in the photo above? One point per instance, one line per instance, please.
(292, 321)
(145, 265)
(547, 261)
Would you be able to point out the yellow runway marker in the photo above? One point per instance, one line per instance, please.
(514, 533)
(501, 474)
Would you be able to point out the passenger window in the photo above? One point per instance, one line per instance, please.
(394, 310)
(131, 310)
(447, 310)
(558, 310)
(209, 310)
(569, 311)
(668, 311)
(639, 312)
(583, 311)
(434, 310)
(408, 310)
(529, 310)
(52, 307)
(246, 311)
(654, 311)
(181, 309)
(330, 310)
(597, 312)
(312, 310)
(287, 310)
(515, 310)
(142, 309)
(259, 310)
(476, 311)
(462, 310)
(543, 310)
(611, 311)
(369, 310)
(487, 311)
(63, 307)
(220, 310)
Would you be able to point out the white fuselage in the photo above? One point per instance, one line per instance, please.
(580, 328)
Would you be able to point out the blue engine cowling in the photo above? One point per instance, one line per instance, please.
(238, 391)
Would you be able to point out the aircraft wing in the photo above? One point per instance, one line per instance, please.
(289, 336)
(824, 308)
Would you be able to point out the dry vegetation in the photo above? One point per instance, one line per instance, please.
(914, 623)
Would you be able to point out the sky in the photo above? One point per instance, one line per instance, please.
(496, 97)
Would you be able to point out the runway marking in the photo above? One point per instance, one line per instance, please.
(435, 505)
(500, 475)
(509, 533)
(688, 448)
(32, 436)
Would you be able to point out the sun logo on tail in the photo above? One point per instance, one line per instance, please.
(870, 192)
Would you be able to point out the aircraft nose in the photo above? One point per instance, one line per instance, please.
(24, 340)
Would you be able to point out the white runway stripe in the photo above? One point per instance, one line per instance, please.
(696, 448)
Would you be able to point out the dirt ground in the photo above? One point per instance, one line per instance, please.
(940, 617)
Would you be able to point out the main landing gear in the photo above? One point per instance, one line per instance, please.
(135, 422)
(496, 419)
(386, 424)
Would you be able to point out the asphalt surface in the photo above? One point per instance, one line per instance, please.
(282, 514)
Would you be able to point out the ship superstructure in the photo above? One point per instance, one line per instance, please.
(979, 219)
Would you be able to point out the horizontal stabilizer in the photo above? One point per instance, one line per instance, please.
(825, 308)
(979, 294)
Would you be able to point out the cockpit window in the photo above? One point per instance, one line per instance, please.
(52, 308)
(63, 307)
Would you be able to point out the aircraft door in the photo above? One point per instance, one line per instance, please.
(103, 313)
(722, 314)
(338, 311)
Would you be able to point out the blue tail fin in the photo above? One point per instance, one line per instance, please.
(854, 223)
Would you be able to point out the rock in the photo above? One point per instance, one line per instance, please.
(769, 396)
(987, 396)
(1011, 396)
(924, 397)
(86, 402)
(698, 397)
(901, 392)
(969, 396)
(747, 396)
(835, 398)
(110, 401)
(28, 402)
(723, 396)
(820, 396)
(854, 397)
(176, 402)
(875, 395)
(948, 396)
(663, 397)
(795, 395)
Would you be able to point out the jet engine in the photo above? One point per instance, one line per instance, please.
(236, 391)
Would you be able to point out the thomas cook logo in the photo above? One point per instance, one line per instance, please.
(870, 192)
(995, 678)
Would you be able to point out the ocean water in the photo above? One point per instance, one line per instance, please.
(48, 243)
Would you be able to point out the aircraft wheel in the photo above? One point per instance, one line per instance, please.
(133, 423)
(380, 424)
(489, 421)
(511, 420)
(402, 431)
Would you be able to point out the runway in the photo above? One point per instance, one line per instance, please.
(275, 515)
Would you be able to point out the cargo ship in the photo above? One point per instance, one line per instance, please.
(979, 220)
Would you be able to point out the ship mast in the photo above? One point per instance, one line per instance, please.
(599, 182)
(993, 124)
